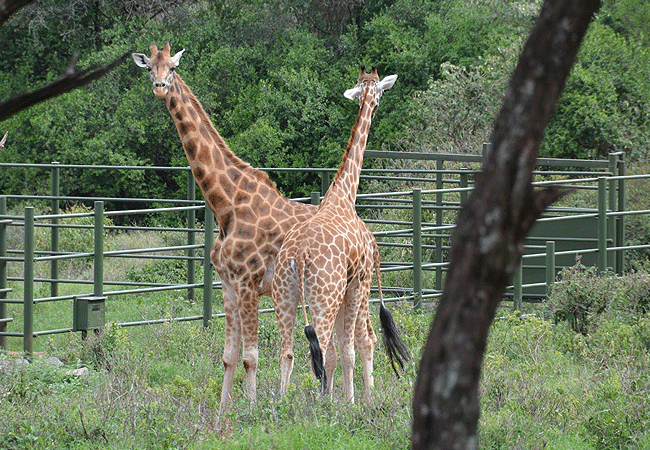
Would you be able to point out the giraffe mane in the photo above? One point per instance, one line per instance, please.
(234, 159)
(346, 154)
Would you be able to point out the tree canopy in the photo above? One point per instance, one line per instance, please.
(271, 76)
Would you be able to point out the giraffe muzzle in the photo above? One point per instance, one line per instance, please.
(160, 89)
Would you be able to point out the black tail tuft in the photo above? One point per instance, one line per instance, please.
(398, 353)
(316, 357)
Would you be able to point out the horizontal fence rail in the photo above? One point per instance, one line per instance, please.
(412, 224)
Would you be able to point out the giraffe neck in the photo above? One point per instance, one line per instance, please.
(346, 181)
(224, 179)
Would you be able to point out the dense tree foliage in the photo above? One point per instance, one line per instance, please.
(271, 75)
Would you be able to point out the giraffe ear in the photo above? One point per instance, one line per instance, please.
(140, 59)
(177, 57)
(387, 82)
(353, 93)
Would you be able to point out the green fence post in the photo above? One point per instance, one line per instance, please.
(487, 148)
(207, 266)
(439, 220)
(98, 251)
(464, 183)
(550, 266)
(517, 294)
(191, 236)
(611, 202)
(620, 227)
(602, 224)
(324, 182)
(54, 235)
(3, 272)
(417, 249)
(315, 198)
(28, 283)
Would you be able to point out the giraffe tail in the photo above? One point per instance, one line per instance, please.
(316, 354)
(316, 357)
(398, 352)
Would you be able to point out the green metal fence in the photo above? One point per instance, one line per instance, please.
(422, 205)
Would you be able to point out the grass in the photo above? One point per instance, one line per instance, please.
(543, 386)
(548, 383)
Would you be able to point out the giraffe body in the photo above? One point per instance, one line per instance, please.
(327, 262)
(253, 216)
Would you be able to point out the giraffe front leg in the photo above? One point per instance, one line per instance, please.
(250, 353)
(232, 341)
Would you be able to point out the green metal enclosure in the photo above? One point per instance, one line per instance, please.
(571, 235)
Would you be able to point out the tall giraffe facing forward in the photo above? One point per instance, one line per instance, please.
(253, 216)
(327, 262)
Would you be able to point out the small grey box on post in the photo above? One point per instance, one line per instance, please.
(89, 313)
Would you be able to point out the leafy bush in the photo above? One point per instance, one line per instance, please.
(582, 297)
(165, 272)
(270, 76)
(604, 105)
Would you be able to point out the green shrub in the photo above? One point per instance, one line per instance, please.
(161, 271)
(101, 350)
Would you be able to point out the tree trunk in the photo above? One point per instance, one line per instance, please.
(488, 242)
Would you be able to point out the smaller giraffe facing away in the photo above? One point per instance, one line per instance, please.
(327, 262)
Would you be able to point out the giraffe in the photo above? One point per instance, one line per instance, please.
(252, 215)
(327, 262)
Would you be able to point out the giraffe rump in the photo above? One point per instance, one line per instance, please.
(398, 353)
(316, 358)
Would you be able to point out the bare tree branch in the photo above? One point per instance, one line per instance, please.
(4, 140)
(488, 242)
(65, 83)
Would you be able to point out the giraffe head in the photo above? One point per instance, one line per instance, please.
(161, 67)
(369, 82)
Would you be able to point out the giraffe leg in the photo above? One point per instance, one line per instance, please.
(232, 342)
(345, 334)
(330, 363)
(340, 330)
(249, 317)
(365, 339)
(346, 347)
(285, 302)
(323, 328)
